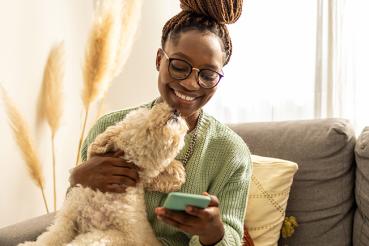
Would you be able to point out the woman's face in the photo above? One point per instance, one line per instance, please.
(202, 51)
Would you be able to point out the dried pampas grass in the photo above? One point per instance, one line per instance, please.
(22, 137)
(50, 100)
(130, 17)
(99, 58)
(110, 41)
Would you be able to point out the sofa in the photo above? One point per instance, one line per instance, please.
(330, 192)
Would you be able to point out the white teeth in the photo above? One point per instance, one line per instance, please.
(184, 97)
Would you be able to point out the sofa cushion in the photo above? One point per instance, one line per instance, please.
(269, 190)
(28, 230)
(361, 223)
(322, 195)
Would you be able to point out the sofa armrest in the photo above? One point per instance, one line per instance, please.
(27, 230)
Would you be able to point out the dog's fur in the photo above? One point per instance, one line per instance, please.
(150, 138)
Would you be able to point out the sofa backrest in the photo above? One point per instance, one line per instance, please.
(322, 195)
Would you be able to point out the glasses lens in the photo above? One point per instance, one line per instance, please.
(179, 69)
(208, 78)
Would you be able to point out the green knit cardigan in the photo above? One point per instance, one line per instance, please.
(220, 165)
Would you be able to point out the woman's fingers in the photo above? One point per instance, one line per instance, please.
(107, 172)
(181, 220)
(214, 201)
(205, 222)
(125, 172)
(124, 180)
(116, 188)
(123, 163)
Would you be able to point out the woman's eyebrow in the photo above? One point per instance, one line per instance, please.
(188, 59)
(181, 54)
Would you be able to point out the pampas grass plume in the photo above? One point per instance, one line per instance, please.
(128, 19)
(22, 137)
(50, 100)
(99, 57)
(130, 15)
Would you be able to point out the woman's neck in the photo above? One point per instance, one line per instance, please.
(192, 120)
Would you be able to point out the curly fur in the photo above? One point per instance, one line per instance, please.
(151, 138)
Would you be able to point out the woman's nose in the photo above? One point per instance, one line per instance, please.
(190, 83)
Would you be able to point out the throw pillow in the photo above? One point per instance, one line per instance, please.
(269, 190)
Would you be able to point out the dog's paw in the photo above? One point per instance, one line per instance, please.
(171, 179)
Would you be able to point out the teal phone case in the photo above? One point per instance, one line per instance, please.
(179, 201)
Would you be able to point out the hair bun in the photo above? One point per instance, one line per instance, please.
(223, 11)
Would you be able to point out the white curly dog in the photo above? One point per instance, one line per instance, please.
(150, 138)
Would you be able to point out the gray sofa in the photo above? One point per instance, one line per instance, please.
(330, 193)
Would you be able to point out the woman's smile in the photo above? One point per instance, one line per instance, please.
(183, 96)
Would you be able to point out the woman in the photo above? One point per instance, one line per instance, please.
(195, 47)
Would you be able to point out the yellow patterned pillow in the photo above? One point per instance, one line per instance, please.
(269, 190)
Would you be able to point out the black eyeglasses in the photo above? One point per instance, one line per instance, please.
(180, 69)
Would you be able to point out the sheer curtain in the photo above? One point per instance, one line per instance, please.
(271, 72)
(341, 61)
(359, 104)
(297, 60)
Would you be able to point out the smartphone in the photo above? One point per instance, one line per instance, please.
(178, 201)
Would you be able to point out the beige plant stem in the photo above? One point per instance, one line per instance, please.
(50, 100)
(99, 59)
(82, 134)
(22, 137)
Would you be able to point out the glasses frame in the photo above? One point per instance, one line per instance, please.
(192, 68)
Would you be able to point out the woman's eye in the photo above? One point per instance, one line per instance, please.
(208, 75)
(179, 69)
(180, 66)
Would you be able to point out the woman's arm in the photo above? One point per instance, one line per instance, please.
(107, 173)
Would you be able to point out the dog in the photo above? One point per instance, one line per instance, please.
(150, 138)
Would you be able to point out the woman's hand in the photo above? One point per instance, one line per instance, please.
(107, 173)
(206, 223)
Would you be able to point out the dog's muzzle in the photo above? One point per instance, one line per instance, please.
(174, 116)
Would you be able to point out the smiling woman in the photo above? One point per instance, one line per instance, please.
(195, 47)
(203, 51)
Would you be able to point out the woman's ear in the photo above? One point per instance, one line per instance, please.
(159, 55)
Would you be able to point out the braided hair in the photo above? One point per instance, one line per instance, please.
(204, 16)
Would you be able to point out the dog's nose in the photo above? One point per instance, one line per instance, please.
(175, 115)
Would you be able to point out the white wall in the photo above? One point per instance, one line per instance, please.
(28, 30)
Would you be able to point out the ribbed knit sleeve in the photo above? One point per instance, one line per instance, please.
(231, 159)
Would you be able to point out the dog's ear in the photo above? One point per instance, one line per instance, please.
(104, 142)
